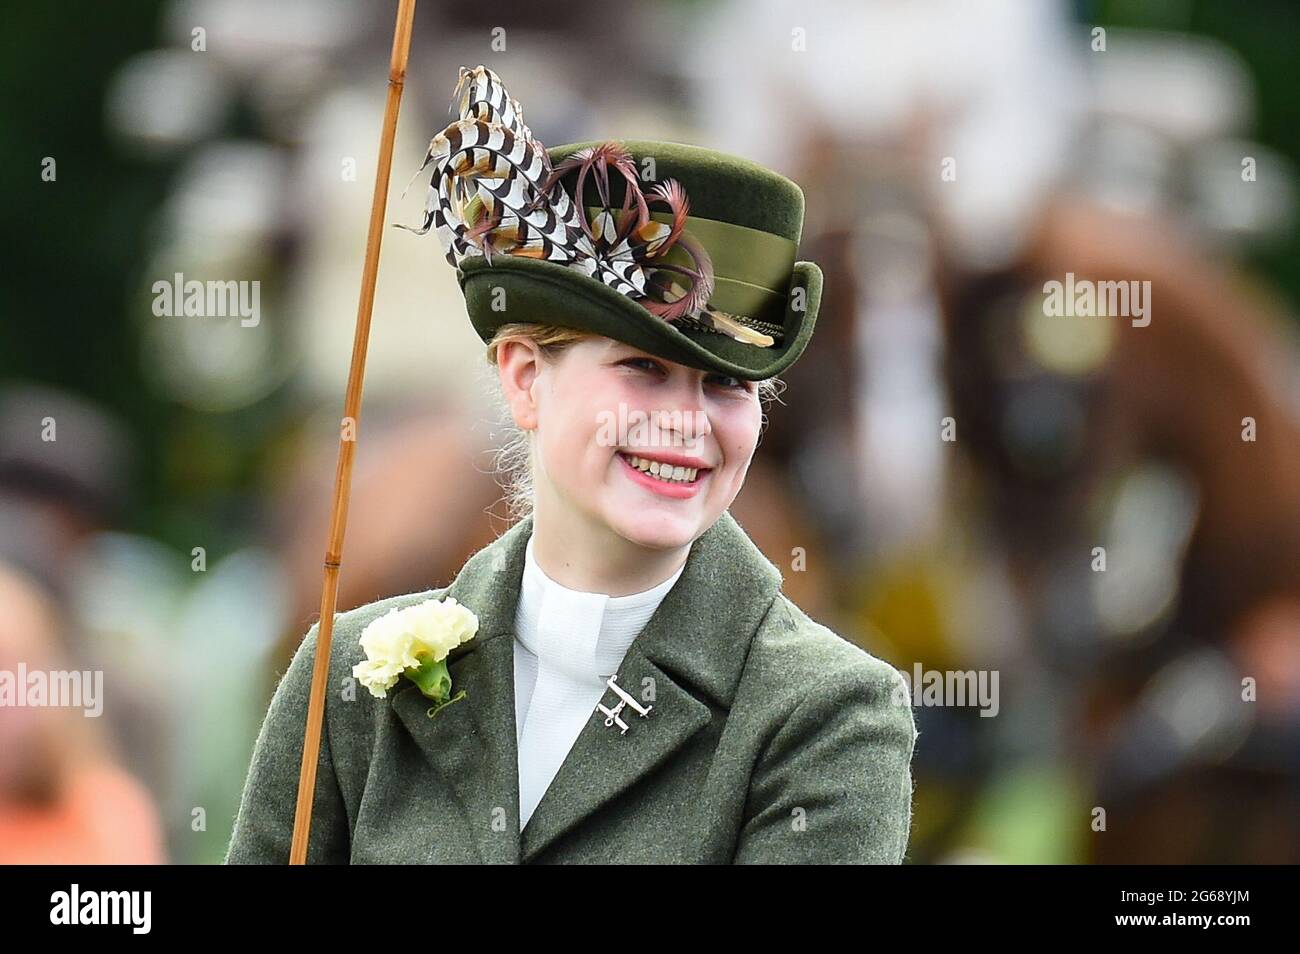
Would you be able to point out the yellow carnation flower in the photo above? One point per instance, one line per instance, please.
(407, 640)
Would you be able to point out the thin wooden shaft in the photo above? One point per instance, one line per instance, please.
(347, 439)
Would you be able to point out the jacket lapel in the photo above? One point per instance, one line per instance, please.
(687, 660)
(472, 743)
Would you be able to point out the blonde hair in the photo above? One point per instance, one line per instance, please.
(514, 458)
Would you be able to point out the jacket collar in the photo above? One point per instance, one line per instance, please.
(685, 663)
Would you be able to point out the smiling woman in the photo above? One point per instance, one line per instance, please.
(632, 685)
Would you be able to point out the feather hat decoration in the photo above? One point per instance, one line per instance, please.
(496, 193)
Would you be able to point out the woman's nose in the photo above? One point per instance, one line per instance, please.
(689, 420)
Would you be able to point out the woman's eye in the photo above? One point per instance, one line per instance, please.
(728, 382)
(645, 364)
(725, 381)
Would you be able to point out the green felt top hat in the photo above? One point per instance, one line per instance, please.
(683, 252)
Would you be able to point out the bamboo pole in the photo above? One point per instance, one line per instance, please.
(347, 438)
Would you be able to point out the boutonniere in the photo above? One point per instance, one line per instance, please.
(414, 641)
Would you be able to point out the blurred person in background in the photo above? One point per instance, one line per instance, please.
(170, 636)
(64, 797)
(68, 795)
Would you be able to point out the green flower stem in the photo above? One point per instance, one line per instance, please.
(433, 679)
(435, 709)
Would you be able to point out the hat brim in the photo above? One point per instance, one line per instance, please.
(516, 289)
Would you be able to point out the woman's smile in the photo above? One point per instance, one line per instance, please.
(668, 475)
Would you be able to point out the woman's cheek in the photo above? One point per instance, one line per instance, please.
(555, 451)
(743, 432)
(743, 439)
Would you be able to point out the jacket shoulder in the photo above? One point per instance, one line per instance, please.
(793, 650)
(834, 735)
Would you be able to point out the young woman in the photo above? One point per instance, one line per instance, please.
(618, 677)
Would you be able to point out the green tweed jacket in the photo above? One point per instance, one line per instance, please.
(770, 739)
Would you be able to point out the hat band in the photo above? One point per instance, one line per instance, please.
(751, 268)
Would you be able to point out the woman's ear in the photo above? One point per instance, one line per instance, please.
(519, 361)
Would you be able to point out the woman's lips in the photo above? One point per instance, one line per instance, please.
(677, 489)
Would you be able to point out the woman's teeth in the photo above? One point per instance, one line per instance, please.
(680, 475)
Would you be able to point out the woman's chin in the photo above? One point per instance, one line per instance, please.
(657, 528)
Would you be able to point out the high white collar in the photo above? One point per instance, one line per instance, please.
(585, 635)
